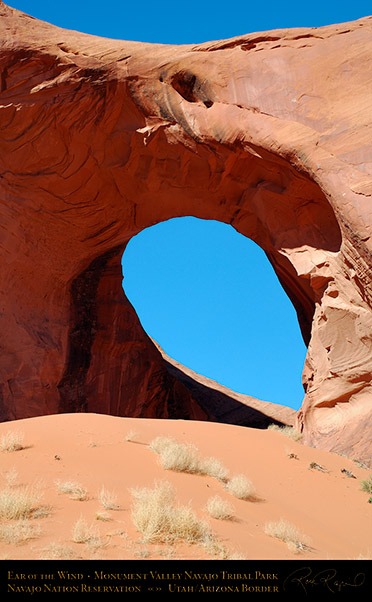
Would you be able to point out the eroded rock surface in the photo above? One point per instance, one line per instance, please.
(269, 132)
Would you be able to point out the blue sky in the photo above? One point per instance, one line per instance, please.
(207, 294)
(211, 299)
(189, 21)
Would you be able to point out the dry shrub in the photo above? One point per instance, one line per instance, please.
(216, 548)
(288, 431)
(74, 490)
(185, 457)
(103, 516)
(84, 533)
(214, 468)
(19, 532)
(108, 499)
(57, 551)
(366, 485)
(219, 508)
(142, 554)
(156, 515)
(20, 503)
(288, 533)
(12, 441)
(177, 456)
(240, 487)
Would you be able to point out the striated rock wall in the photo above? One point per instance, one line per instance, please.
(269, 132)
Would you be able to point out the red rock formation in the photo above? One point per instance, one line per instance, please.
(101, 138)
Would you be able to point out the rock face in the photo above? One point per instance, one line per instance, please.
(269, 132)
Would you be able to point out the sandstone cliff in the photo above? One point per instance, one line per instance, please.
(269, 132)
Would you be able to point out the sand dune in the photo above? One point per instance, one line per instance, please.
(312, 489)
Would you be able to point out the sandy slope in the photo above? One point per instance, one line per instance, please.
(328, 507)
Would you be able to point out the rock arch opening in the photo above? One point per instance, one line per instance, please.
(210, 298)
(111, 363)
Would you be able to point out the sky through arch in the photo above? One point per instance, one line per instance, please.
(209, 296)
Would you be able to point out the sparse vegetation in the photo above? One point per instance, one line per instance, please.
(57, 551)
(219, 508)
(215, 469)
(215, 548)
(12, 441)
(288, 533)
(348, 473)
(156, 515)
(366, 485)
(19, 532)
(84, 533)
(20, 503)
(315, 466)
(292, 456)
(142, 554)
(176, 456)
(74, 490)
(288, 431)
(108, 499)
(240, 487)
(185, 457)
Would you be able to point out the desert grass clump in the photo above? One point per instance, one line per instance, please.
(217, 549)
(19, 503)
(142, 554)
(108, 499)
(185, 457)
(181, 457)
(316, 466)
(288, 533)
(366, 485)
(12, 441)
(74, 490)
(157, 517)
(288, 431)
(219, 508)
(57, 551)
(103, 516)
(84, 533)
(18, 532)
(215, 469)
(240, 487)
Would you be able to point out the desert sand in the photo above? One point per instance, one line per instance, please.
(318, 492)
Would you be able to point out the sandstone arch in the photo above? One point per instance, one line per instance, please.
(102, 138)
